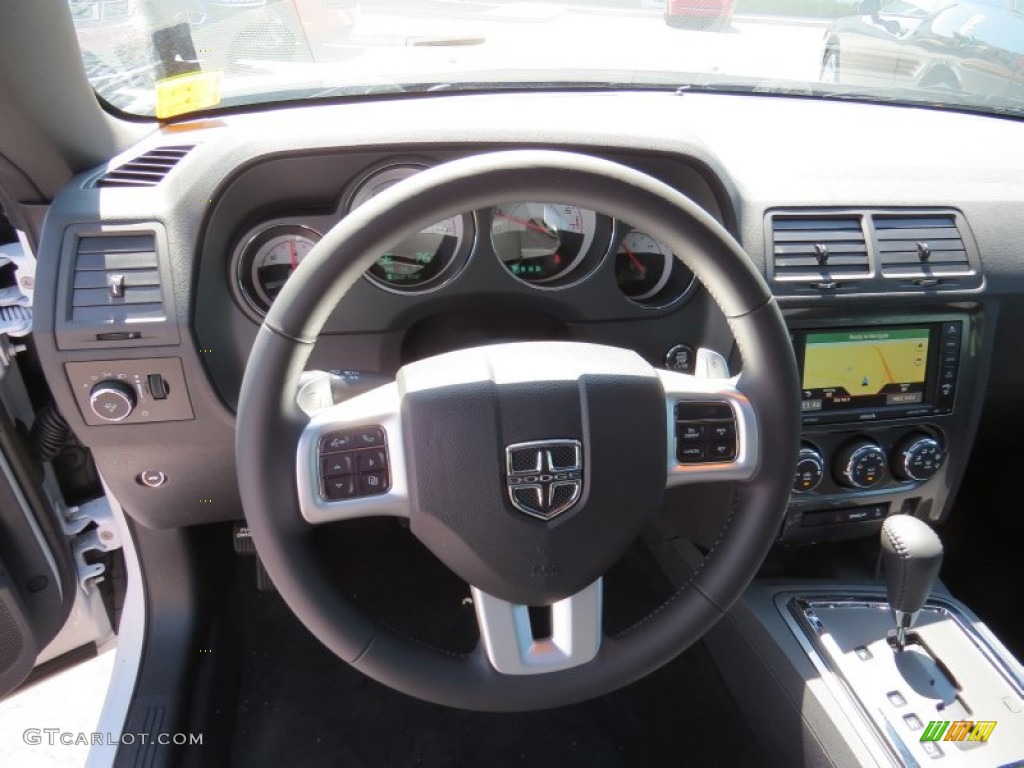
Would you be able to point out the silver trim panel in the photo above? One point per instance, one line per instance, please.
(507, 634)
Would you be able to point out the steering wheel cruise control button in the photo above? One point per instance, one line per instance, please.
(347, 470)
(689, 433)
(705, 433)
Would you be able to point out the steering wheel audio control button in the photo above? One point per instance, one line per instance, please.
(337, 464)
(347, 469)
(371, 460)
(333, 442)
(373, 483)
(336, 488)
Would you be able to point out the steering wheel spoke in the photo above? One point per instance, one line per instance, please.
(712, 429)
(516, 646)
(351, 460)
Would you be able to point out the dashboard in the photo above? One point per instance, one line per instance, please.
(891, 269)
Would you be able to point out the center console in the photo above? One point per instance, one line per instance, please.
(887, 417)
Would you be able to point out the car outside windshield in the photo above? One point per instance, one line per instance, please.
(175, 57)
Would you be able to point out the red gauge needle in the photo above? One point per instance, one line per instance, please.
(294, 254)
(636, 262)
(525, 223)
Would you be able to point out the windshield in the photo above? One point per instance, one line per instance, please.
(174, 57)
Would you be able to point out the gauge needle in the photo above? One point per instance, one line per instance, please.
(636, 262)
(525, 223)
(294, 254)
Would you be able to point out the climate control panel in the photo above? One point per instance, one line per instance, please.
(850, 463)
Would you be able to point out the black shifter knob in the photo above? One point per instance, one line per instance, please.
(911, 555)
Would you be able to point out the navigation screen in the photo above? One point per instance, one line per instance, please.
(865, 368)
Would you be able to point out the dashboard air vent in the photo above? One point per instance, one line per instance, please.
(117, 280)
(820, 249)
(920, 246)
(146, 170)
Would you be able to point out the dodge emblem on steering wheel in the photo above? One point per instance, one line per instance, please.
(544, 478)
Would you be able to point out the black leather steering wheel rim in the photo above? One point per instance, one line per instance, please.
(268, 418)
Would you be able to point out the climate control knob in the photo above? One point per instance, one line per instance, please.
(917, 457)
(810, 468)
(112, 400)
(860, 464)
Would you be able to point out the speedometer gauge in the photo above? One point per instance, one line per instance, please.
(420, 261)
(542, 242)
(269, 259)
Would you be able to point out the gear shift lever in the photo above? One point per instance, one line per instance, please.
(911, 555)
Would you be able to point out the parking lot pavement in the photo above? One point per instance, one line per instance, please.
(68, 703)
(448, 39)
(568, 38)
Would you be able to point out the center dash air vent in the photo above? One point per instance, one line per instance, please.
(818, 249)
(146, 170)
(920, 246)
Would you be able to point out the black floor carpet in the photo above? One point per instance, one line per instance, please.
(289, 701)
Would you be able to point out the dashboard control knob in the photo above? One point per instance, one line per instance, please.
(810, 468)
(917, 457)
(860, 464)
(112, 400)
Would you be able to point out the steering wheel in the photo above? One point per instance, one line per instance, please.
(527, 469)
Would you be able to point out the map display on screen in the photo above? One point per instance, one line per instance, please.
(865, 368)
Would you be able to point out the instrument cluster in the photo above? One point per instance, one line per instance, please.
(544, 245)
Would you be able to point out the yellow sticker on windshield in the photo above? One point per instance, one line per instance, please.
(190, 92)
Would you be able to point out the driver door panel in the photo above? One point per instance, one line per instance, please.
(37, 575)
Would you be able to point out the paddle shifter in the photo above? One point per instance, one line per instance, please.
(911, 556)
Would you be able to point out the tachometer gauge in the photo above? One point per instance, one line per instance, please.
(648, 272)
(542, 242)
(269, 259)
(420, 261)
